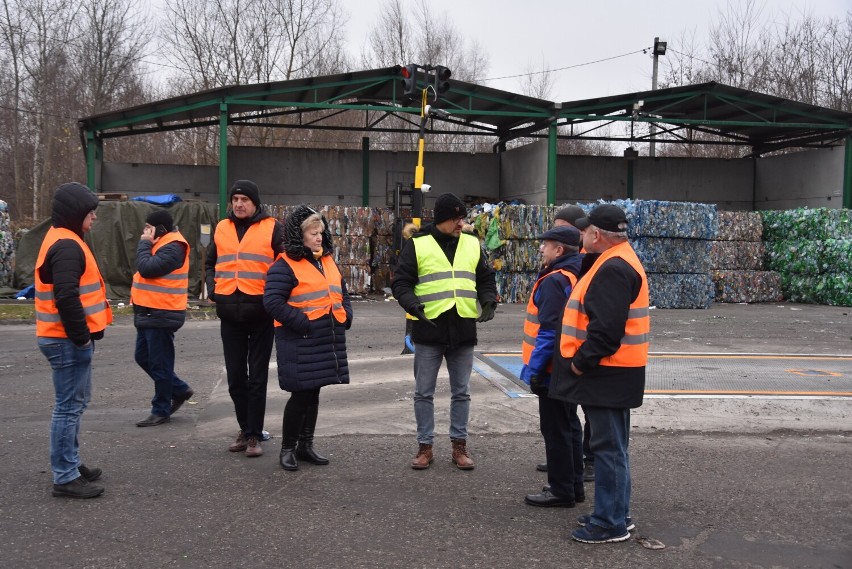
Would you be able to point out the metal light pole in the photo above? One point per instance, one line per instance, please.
(659, 49)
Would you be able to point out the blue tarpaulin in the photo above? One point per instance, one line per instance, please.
(162, 199)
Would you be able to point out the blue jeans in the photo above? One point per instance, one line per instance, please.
(155, 354)
(563, 446)
(609, 441)
(72, 384)
(427, 362)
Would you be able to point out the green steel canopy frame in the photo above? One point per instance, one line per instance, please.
(740, 117)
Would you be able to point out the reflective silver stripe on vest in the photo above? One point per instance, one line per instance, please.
(255, 257)
(309, 296)
(89, 310)
(335, 288)
(533, 318)
(466, 275)
(336, 305)
(84, 289)
(175, 276)
(637, 312)
(573, 332)
(634, 339)
(46, 317)
(448, 294)
(576, 305)
(435, 277)
(157, 288)
(529, 339)
(252, 275)
(225, 259)
(225, 275)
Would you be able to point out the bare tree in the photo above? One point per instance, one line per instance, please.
(12, 31)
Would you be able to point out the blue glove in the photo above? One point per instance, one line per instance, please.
(526, 374)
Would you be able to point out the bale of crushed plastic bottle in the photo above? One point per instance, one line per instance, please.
(680, 290)
(7, 248)
(736, 255)
(747, 286)
(672, 255)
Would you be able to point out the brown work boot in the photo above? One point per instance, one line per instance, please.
(460, 456)
(424, 457)
(253, 447)
(238, 445)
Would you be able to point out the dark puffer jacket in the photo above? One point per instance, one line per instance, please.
(310, 353)
(65, 263)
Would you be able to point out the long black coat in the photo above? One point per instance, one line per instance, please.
(310, 353)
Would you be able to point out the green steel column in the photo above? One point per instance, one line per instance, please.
(94, 157)
(223, 160)
(551, 164)
(847, 175)
(365, 171)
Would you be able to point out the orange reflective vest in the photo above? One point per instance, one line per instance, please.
(92, 291)
(633, 351)
(242, 264)
(167, 292)
(532, 324)
(317, 293)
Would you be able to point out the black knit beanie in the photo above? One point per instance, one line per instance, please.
(448, 206)
(248, 189)
(160, 217)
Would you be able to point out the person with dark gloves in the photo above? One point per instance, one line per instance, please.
(560, 425)
(603, 352)
(244, 246)
(440, 276)
(71, 314)
(306, 296)
(158, 295)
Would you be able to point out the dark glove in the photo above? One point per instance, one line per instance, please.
(97, 335)
(488, 311)
(417, 312)
(537, 383)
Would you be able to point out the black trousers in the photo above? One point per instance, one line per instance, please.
(300, 416)
(563, 446)
(248, 347)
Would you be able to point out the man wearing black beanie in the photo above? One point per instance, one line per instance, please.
(244, 246)
(441, 275)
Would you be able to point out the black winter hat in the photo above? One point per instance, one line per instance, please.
(448, 206)
(606, 216)
(161, 217)
(72, 202)
(570, 213)
(248, 189)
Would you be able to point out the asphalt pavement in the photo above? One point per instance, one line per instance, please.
(722, 481)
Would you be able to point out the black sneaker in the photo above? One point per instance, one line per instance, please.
(78, 488)
(90, 474)
(585, 518)
(589, 472)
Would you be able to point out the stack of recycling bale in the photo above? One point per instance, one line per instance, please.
(672, 239)
(509, 233)
(7, 248)
(812, 250)
(736, 260)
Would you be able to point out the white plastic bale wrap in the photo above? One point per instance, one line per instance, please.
(7, 248)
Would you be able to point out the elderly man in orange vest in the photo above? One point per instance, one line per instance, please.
(244, 246)
(71, 314)
(158, 295)
(603, 351)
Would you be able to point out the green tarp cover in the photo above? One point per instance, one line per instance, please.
(113, 240)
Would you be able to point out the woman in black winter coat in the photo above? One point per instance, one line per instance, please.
(307, 297)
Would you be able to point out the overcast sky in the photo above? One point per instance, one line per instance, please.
(523, 35)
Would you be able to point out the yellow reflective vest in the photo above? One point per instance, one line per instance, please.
(442, 286)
